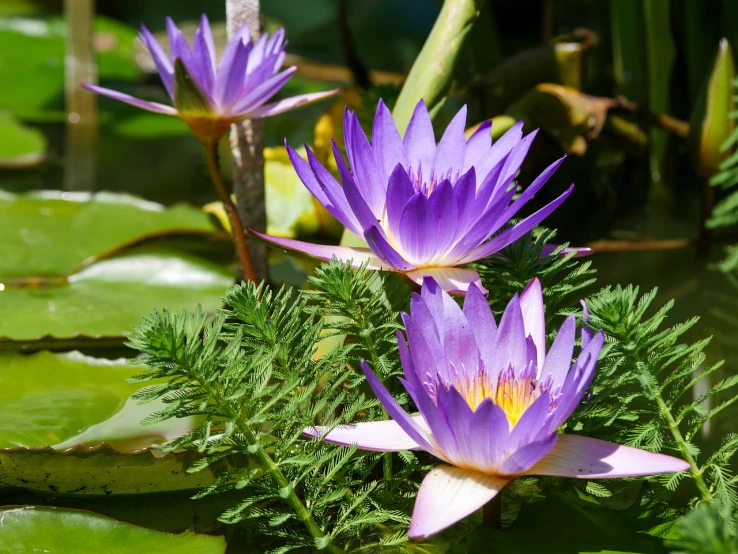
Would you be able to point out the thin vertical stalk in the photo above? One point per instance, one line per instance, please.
(247, 145)
(237, 230)
(81, 104)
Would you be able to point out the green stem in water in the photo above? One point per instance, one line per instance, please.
(237, 230)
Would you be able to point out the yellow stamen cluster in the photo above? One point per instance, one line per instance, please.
(514, 394)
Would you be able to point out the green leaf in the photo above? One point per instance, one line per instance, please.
(565, 524)
(48, 398)
(61, 531)
(430, 76)
(69, 399)
(50, 233)
(32, 69)
(20, 146)
(660, 53)
(101, 470)
(711, 125)
(105, 299)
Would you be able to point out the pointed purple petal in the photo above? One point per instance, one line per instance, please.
(478, 145)
(232, 74)
(150, 106)
(326, 252)
(444, 212)
(484, 328)
(418, 230)
(531, 303)
(528, 193)
(207, 35)
(356, 201)
(366, 174)
(510, 348)
(263, 92)
(384, 251)
(399, 191)
(449, 158)
(281, 106)
(377, 436)
(514, 233)
(451, 279)
(449, 494)
(558, 358)
(337, 207)
(420, 142)
(386, 142)
(527, 456)
(163, 64)
(408, 424)
(500, 148)
(587, 458)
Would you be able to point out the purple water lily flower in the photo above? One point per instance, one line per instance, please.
(210, 96)
(491, 400)
(424, 209)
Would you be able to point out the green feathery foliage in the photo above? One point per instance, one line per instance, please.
(644, 396)
(251, 372)
(508, 271)
(704, 531)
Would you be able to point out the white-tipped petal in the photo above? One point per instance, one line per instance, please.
(588, 458)
(448, 494)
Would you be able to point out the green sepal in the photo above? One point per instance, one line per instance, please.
(189, 100)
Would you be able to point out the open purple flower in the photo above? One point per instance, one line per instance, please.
(209, 96)
(424, 209)
(491, 400)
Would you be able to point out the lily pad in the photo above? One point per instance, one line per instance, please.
(32, 68)
(69, 399)
(101, 470)
(46, 398)
(51, 233)
(20, 146)
(63, 531)
(107, 298)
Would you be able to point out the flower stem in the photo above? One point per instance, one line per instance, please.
(285, 486)
(676, 433)
(492, 512)
(237, 230)
(694, 470)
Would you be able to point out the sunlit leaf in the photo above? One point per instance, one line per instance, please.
(105, 299)
(63, 531)
(51, 233)
(20, 146)
(68, 399)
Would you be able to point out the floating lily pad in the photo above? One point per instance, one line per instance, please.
(46, 398)
(32, 68)
(68, 399)
(63, 531)
(50, 233)
(101, 470)
(20, 146)
(107, 298)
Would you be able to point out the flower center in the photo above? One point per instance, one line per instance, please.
(428, 182)
(513, 393)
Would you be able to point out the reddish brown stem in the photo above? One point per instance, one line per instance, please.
(237, 230)
(492, 512)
